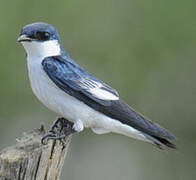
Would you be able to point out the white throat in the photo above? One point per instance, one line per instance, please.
(42, 49)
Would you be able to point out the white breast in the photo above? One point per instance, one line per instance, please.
(71, 108)
(56, 99)
(63, 104)
(53, 97)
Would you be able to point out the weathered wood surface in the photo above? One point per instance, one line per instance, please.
(30, 160)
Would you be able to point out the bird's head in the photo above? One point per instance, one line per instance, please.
(40, 39)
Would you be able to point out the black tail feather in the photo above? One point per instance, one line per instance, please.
(160, 142)
(164, 142)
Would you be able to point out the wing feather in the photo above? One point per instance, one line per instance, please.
(65, 73)
(75, 81)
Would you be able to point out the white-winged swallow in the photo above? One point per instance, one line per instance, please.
(76, 95)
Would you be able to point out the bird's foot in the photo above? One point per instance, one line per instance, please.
(60, 129)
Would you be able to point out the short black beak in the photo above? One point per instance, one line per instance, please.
(23, 38)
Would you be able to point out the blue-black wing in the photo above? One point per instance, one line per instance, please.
(70, 77)
(78, 83)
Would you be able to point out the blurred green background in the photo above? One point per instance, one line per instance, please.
(144, 49)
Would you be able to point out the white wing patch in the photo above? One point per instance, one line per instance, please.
(103, 94)
(99, 90)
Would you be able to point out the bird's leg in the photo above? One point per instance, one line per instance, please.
(60, 129)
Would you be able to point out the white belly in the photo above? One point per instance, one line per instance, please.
(54, 98)
(71, 108)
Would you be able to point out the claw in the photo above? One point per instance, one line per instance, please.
(47, 137)
(60, 129)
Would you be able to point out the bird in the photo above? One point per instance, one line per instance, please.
(76, 96)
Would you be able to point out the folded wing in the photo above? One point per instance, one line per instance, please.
(77, 82)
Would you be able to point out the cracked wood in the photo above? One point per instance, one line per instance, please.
(30, 160)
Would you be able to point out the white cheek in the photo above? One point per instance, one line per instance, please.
(42, 49)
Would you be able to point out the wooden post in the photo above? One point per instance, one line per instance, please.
(30, 160)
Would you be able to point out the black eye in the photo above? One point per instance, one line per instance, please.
(42, 36)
